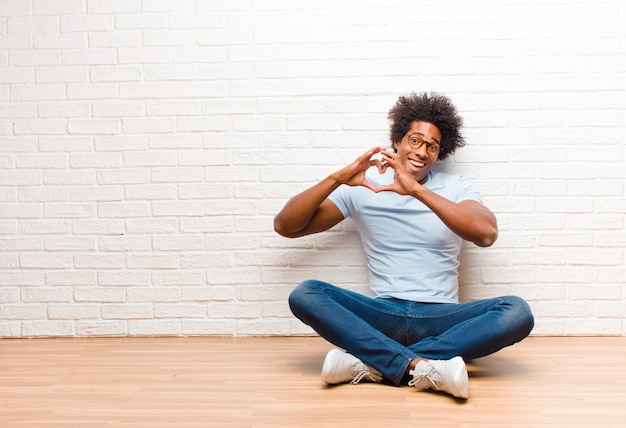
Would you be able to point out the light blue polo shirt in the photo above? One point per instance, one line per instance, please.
(411, 253)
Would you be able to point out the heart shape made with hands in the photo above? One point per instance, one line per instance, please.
(381, 166)
(402, 182)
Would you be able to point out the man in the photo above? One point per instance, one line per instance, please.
(412, 221)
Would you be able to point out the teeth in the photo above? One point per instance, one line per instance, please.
(418, 164)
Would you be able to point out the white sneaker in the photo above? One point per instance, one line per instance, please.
(442, 375)
(341, 367)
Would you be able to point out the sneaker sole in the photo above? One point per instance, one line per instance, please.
(329, 367)
(461, 380)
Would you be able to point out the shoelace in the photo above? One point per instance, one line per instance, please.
(360, 377)
(363, 373)
(431, 376)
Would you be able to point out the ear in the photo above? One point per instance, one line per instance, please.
(396, 144)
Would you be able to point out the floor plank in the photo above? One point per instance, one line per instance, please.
(274, 382)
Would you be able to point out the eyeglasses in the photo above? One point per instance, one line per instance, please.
(416, 141)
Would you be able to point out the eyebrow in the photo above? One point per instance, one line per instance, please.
(419, 133)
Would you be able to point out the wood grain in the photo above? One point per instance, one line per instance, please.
(274, 382)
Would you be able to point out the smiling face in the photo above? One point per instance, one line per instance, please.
(418, 159)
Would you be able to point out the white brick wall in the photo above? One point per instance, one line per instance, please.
(145, 146)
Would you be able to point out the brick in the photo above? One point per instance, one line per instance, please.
(140, 125)
(76, 243)
(127, 311)
(118, 109)
(163, 327)
(72, 278)
(26, 58)
(180, 310)
(58, 7)
(86, 23)
(179, 243)
(142, 20)
(93, 328)
(128, 176)
(99, 294)
(169, 38)
(23, 311)
(10, 295)
(208, 294)
(208, 327)
(48, 328)
(94, 126)
(15, 75)
(21, 278)
(59, 41)
(153, 294)
(150, 192)
(69, 210)
(97, 227)
(113, 6)
(123, 278)
(64, 143)
(103, 193)
(78, 311)
(16, 41)
(114, 39)
(99, 261)
(262, 327)
(11, 330)
(143, 226)
(147, 145)
(123, 209)
(37, 260)
(43, 227)
(11, 8)
(58, 75)
(156, 261)
(115, 73)
(178, 208)
(40, 127)
(91, 57)
(237, 310)
(179, 278)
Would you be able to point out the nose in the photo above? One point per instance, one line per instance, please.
(421, 150)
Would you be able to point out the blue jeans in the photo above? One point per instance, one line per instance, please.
(387, 334)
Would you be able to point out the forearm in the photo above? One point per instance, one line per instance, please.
(470, 220)
(311, 211)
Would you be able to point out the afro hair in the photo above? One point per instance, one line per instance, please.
(432, 108)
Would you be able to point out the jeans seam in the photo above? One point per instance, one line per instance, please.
(447, 314)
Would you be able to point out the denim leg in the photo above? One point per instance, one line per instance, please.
(388, 333)
(471, 330)
(345, 319)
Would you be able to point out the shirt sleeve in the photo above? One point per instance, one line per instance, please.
(465, 190)
(340, 198)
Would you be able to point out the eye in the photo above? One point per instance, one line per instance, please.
(414, 140)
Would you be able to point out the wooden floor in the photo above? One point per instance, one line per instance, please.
(274, 382)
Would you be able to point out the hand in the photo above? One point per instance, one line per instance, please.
(403, 183)
(354, 174)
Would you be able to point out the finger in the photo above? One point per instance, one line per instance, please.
(371, 152)
(386, 188)
(382, 167)
(388, 155)
(369, 185)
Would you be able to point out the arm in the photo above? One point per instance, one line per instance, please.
(469, 219)
(311, 211)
